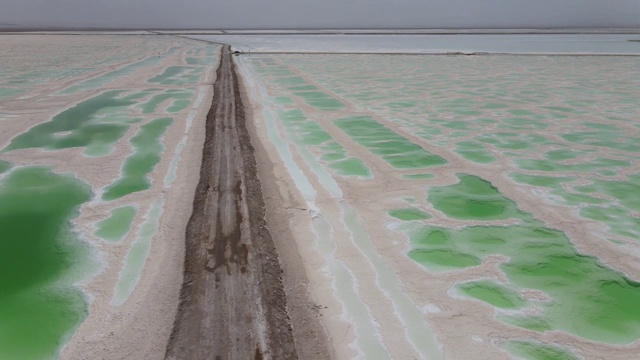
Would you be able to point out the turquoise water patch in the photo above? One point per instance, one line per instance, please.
(147, 147)
(588, 299)
(10, 92)
(417, 176)
(311, 94)
(561, 195)
(320, 100)
(137, 255)
(102, 80)
(151, 105)
(619, 220)
(290, 81)
(393, 148)
(39, 307)
(626, 192)
(178, 75)
(309, 133)
(492, 293)
(474, 151)
(200, 61)
(616, 140)
(618, 210)
(4, 166)
(514, 141)
(408, 214)
(531, 350)
(473, 198)
(116, 227)
(95, 124)
(283, 100)
(553, 182)
(553, 166)
(178, 105)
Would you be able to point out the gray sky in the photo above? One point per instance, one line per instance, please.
(280, 14)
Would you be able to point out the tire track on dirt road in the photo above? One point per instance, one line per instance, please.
(232, 302)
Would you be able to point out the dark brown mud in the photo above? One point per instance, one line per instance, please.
(232, 303)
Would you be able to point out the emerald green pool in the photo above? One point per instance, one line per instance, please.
(309, 133)
(45, 259)
(409, 214)
(40, 258)
(588, 299)
(95, 124)
(474, 199)
(492, 293)
(560, 134)
(393, 148)
(4, 166)
(530, 350)
(148, 147)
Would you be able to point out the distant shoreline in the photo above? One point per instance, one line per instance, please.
(551, 31)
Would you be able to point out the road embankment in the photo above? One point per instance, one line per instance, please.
(232, 303)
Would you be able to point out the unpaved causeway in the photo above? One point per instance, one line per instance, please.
(232, 304)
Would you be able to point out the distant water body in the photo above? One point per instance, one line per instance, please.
(587, 44)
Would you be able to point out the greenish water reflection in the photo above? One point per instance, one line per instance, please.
(147, 145)
(39, 307)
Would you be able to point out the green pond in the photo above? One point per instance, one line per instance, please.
(102, 80)
(152, 104)
(558, 136)
(95, 124)
(40, 258)
(178, 75)
(474, 199)
(148, 147)
(136, 257)
(393, 148)
(4, 166)
(587, 298)
(409, 214)
(418, 176)
(530, 350)
(309, 133)
(115, 227)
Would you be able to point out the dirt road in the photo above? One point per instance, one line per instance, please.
(232, 301)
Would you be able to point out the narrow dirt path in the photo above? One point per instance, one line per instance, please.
(232, 304)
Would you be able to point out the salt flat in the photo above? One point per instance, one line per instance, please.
(112, 124)
(431, 43)
(459, 207)
(421, 206)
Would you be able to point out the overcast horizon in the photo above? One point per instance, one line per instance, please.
(304, 14)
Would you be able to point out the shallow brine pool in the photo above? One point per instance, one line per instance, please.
(503, 193)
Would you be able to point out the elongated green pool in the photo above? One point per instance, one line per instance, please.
(40, 256)
(147, 149)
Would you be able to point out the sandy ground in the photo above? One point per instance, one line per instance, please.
(140, 328)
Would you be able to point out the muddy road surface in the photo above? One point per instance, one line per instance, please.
(232, 305)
